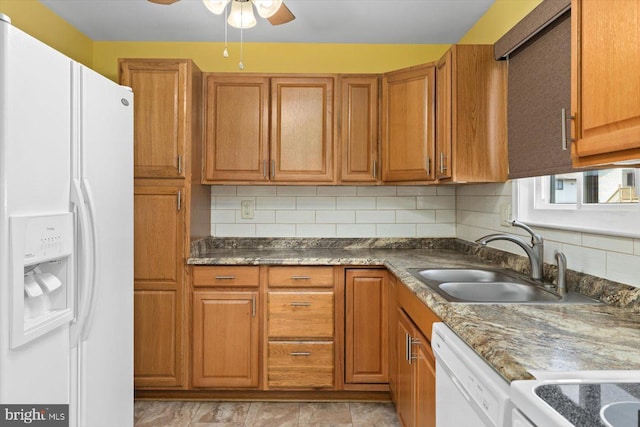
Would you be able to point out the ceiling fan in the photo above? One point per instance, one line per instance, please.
(273, 10)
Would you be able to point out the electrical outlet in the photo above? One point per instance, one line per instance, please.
(246, 209)
(505, 215)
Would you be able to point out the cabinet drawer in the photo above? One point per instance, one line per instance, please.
(226, 276)
(300, 314)
(301, 277)
(301, 364)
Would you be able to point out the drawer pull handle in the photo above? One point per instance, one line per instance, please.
(300, 277)
(301, 353)
(300, 304)
(225, 277)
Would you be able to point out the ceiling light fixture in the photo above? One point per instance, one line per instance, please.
(241, 15)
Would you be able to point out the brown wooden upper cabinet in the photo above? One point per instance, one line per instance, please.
(268, 129)
(408, 112)
(161, 114)
(471, 105)
(605, 91)
(358, 126)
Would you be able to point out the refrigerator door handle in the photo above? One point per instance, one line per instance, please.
(93, 283)
(78, 200)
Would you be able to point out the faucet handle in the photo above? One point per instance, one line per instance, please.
(535, 237)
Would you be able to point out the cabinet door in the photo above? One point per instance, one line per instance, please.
(158, 283)
(425, 384)
(160, 115)
(302, 129)
(408, 113)
(366, 338)
(443, 116)
(404, 372)
(359, 128)
(605, 92)
(236, 128)
(391, 328)
(225, 339)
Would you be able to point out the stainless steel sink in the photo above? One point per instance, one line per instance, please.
(497, 292)
(476, 285)
(464, 275)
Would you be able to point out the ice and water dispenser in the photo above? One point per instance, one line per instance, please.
(42, 282)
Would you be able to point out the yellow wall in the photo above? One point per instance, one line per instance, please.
(273, 57)
(34, 18)
(499, 19)
(37, 20)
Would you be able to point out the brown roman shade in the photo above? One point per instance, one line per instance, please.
(538, 49)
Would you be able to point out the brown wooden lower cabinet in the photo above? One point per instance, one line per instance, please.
(225, 339)
(366, 319)
(415, 381)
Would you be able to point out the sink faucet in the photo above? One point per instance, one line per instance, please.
(534, 250)
(562, 272)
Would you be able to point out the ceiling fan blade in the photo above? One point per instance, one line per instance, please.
(282, 16)
(163, 1)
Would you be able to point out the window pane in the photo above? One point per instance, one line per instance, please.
(563, 188)
(606, 186)
(609, 186)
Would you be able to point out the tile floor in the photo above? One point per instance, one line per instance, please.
(264, 414)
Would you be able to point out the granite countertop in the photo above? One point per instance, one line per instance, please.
(513, 338)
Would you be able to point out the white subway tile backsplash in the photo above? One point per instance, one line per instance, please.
(223, 190)
(230, 202)
(586, 260)
(295, 217)
(296, 190)
(259, 217)
(315, 203)
(609, 243)
(395, 230)
(465, 211)
(337, 190)
(415, 216)
(396, 202)
(356, 230)
(356, 202)
(622, 267)
(275, 203)
(415, 190)
(436, 230)
(256, 190)
(436, 202)
(445, 216)
(235, 230)
(335, 217)
(376, 191)
(316, 230)
(225, 216)
(375, 217)
(275, 230)
(446, 190)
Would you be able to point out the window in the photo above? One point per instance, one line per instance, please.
(603, 200)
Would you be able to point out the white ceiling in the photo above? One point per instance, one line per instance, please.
(317, 21)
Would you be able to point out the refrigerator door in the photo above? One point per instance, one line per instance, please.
(35, 155)
(104, 328)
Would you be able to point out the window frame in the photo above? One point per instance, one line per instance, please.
(531, 205)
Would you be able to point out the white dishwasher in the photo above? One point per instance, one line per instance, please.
(469, 392)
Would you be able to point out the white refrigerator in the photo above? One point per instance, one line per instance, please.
(66, 239)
